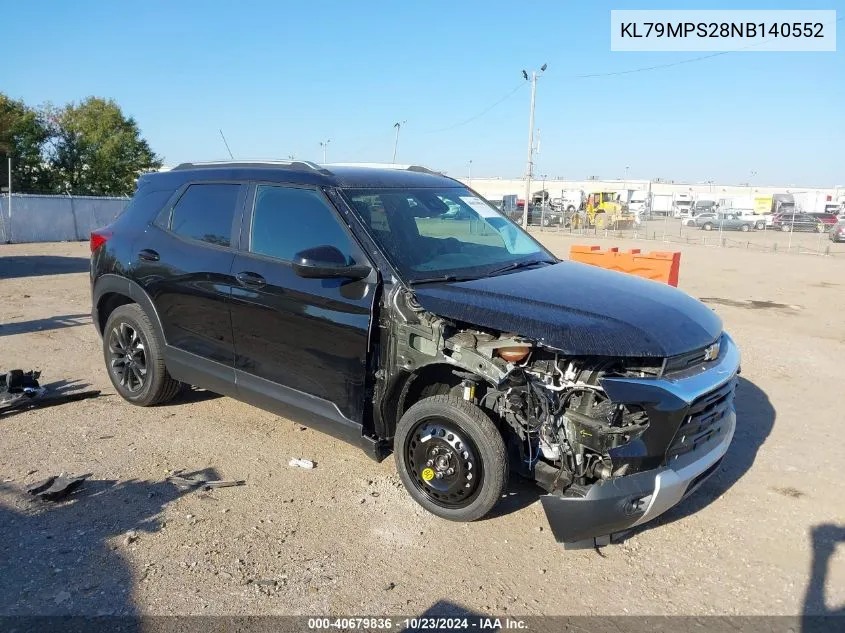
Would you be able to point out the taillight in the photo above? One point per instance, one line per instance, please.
(98, 238)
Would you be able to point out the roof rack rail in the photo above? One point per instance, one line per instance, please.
(293, 164)
(418, 168)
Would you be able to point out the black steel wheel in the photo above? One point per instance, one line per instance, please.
(134, 361)
(444, 463)
(451, 458)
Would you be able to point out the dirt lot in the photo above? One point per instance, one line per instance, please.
(759, 538)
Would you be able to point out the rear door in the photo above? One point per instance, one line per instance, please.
(185, 265)
(300, 344)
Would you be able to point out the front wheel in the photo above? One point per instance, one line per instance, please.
(760, 226)
(451, 458)
(745, 228)
(785, 228)
(707, 227)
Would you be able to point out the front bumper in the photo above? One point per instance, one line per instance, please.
(624, 502)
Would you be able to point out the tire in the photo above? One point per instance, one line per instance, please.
(760, 226)
(707, 226)
(570, 209)
(745, 228)
(785, 228)
(129, 333)
(475, 442)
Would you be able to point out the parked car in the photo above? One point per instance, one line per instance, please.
(340, 297)
(797, 222)
(726, 222)
(700, 219)
(828, 219)
(837, 232)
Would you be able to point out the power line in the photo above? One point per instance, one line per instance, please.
(480, 114)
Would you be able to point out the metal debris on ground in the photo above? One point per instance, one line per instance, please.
(301, 463)
(56, 487)
(198, 482)
(20, 390)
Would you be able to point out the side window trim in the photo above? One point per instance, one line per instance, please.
(249, 215)
(237, 214)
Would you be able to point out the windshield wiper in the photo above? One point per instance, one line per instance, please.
(516, 265)
(441, 279)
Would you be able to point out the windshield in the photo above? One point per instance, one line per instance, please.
(433, 232)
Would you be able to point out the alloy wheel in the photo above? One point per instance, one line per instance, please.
(127, 357)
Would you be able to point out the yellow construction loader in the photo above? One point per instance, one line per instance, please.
(604, 210)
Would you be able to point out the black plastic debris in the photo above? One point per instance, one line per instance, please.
(200, 483)
(20, 390)
(56, 488)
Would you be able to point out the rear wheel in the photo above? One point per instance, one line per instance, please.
(134, 361)
(707, 226)
(760, 226)
(745, 228)
(785, 228)
(451, 458)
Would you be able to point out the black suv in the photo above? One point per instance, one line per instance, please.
(350, 298)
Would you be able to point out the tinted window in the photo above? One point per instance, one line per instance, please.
(448, 231)
(145, 202)
(205, 212)
(287, 220)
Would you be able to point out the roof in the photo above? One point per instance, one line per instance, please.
(344, 175)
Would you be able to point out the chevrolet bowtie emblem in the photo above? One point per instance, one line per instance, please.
(712, 352)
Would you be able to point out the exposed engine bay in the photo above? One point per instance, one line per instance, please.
(564, 425)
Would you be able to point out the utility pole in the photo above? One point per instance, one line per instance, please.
(530, 168)
(325, 145)
(398, 125)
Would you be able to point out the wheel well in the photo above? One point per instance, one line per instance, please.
(430, 380)
(108, 303)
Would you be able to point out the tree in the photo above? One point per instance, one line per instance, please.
(97, 150)
(24, 135)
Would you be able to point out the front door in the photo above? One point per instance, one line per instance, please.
(300, 343)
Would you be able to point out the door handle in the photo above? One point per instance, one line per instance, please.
(250, 279)
(148, 255)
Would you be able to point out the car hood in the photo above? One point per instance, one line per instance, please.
(580, 310)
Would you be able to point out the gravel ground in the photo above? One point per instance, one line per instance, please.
(760, 537)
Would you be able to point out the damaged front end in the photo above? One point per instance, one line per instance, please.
(614, 442)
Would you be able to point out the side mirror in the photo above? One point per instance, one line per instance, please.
(326, 262)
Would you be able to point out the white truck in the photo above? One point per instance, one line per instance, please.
(640, 203)
(661, 204)
(570, 200)
(681, 205)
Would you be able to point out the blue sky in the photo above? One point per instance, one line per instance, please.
(278, 77)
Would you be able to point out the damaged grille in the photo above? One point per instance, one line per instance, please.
(703, 420)
(682, 362)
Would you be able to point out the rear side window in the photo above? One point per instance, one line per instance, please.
(287, 220)
(205, 213)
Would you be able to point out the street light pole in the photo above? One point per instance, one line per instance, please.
(470, 173)
(398, 125)
(325, 145)
(530, 168)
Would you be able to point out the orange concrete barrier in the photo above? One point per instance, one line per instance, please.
(658, 266)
